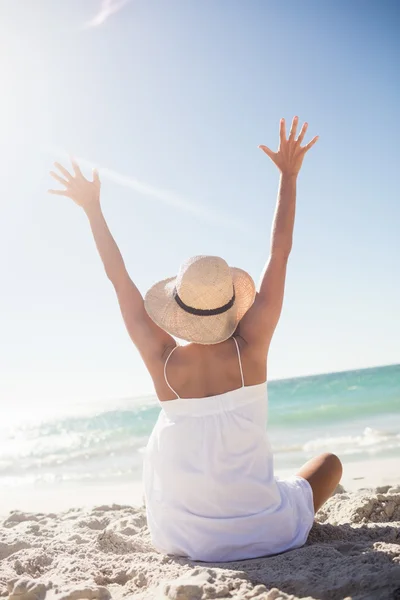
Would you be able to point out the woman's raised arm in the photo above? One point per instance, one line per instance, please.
(259, 323)
(150, 339)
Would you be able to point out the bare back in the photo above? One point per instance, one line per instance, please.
(201, 371)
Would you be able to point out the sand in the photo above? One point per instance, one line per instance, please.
(370, 472)
(353, 551)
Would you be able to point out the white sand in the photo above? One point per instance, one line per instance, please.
(51, 499)
(105, 552)
(366, 473)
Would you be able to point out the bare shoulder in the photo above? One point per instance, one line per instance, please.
(253, 357)
(259, 323)
(155, 366)
(255, 330)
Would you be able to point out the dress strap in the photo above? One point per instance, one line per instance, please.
(240, 360)
(165, 372)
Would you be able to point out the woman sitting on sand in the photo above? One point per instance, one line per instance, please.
(210, 488)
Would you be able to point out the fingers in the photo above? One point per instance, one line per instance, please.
(268, 152)
(310, 144)
(66, 173)
(282, 131)
(302, 133)
(96, 177)
(293, 128)
(76, 168)
(58, 178)
(58, 192)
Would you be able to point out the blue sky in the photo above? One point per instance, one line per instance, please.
(170, 100)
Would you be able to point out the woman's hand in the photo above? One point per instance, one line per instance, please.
(290, 155)
(83, 192)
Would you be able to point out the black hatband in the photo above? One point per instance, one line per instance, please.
(204, 312)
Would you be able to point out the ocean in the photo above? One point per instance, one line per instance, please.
(355, 414)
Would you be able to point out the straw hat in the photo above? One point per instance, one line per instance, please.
(204, 303)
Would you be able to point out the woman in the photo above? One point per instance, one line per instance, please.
(210, 488)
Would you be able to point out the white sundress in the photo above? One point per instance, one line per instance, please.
(211, 494)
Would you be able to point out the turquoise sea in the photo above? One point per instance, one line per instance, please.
(355, 414)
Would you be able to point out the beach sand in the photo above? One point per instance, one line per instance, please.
(55, 498)
(102, 552)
